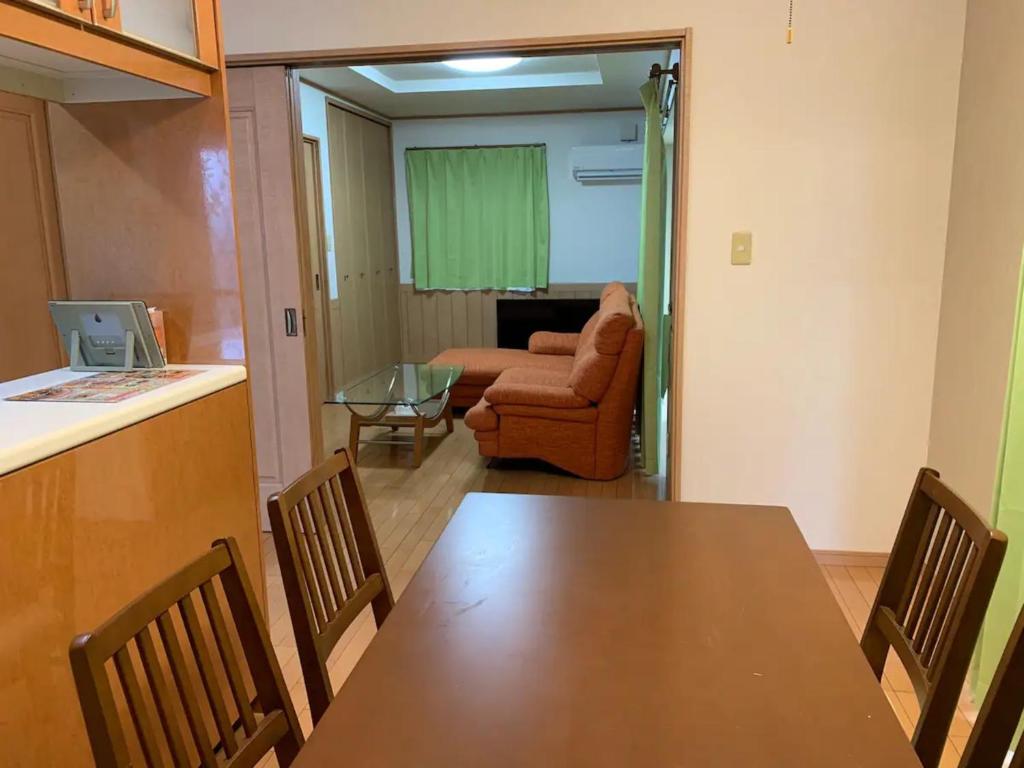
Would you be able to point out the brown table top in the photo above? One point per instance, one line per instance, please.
(552, 631)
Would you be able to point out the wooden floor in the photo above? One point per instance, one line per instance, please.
(410, 508)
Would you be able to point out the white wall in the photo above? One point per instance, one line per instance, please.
(595, 229)
(807, 377)
(313, 105)
(983, 254)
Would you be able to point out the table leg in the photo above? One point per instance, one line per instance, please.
(449, 420)
(353, 436)
(417, 447)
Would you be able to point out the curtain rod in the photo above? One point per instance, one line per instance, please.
(658, 71)
(476, 146)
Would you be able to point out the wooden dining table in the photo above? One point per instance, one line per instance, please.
(591, 632)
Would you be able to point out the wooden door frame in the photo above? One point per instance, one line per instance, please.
(325, 297)
(679, 39)
(309, 339)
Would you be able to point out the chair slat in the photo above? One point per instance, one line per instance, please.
(945, 602)
(153, 668)
(917, 563)
(307, 569)
(228, 658)
(315, 558)
(344, 555)
(137, 708)
(207, 675)
(970, 567)
(186, 692)
(927, 578)
(344, 515)
(929, 615)
(334, 561)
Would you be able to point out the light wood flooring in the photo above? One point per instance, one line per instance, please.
(410, 508)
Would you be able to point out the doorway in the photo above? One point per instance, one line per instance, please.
(298, 65)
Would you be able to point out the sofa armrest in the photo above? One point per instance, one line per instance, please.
(550, 343)
(534, 394)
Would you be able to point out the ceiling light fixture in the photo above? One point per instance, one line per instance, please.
(485, 64)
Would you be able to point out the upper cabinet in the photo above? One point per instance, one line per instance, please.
(172, 42)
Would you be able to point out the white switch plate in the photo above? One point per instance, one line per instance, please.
(742, 248)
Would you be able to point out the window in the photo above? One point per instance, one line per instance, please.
(479, 217)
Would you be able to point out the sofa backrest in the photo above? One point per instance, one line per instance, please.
(615, 411)
(601, 343)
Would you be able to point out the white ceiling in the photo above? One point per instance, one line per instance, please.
(538, 84)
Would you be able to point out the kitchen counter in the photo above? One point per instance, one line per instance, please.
(31, 431)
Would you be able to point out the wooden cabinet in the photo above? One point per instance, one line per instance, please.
(174, 42)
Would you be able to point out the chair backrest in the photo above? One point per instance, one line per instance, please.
(331, 565)
(931, 603)
(1001, 711)
(243, 729)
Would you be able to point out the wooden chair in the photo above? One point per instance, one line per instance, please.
(331, 565)
(931, 603)
(245, 730)
(1001, 711)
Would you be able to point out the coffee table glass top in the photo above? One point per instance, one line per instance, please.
(399, 384)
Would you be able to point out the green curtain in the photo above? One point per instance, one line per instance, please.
(479, 217)
(1008, 516)
(651, 274)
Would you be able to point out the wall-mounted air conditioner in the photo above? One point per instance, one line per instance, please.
(607, 164)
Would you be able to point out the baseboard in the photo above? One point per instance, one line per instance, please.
(857, 559)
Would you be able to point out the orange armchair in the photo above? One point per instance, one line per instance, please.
(578, 417)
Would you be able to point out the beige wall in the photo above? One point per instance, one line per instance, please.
(808, 376)
(986, 232)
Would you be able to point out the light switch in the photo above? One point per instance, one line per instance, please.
(742, 248)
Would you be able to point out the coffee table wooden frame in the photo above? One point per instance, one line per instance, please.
(422, 419)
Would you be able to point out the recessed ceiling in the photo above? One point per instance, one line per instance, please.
(537, 84)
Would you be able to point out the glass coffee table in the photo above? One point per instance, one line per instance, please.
(412, 395)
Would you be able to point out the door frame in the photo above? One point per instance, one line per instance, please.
(679, 39)
(325, 299)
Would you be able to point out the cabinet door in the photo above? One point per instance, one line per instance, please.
(183, 26)
(80, 8)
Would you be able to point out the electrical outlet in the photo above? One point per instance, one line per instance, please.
(742, 248)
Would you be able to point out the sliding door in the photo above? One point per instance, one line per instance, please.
(268, 240)
(365, 249)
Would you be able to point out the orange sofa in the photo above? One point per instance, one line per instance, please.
(569, 400)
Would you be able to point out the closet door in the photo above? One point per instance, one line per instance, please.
(364, 236)
(31, 263)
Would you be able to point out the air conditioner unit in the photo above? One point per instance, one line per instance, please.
(607, 163)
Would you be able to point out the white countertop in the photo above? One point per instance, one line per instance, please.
(30, 432)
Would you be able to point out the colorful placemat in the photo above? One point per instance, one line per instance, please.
(113, 387)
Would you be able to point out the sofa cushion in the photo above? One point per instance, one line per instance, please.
(528, 386)
(483, 366)
(550, 343)
(601, 343)
(592, 373)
